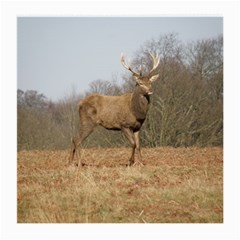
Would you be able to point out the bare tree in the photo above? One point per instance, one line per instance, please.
(125, 113)
(99, 86)
(186, 108)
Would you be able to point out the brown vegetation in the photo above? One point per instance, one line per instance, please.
(182, 183)
(176, 185)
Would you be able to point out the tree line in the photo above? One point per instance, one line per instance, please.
(186, 107)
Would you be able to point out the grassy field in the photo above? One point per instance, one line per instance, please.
(176, 185)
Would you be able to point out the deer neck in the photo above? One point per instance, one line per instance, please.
(140, 103)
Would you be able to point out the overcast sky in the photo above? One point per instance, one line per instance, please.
(56, 55)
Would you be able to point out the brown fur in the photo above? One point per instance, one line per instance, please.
(126, 113)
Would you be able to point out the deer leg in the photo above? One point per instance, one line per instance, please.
(138, 150)
(129, 135)
(77, 141)
(73, 150)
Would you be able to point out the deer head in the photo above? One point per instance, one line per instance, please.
(144, 82)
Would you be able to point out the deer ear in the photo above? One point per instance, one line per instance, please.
(138, 81)
(154, 78)
(135, 78)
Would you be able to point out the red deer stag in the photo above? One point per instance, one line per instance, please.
(126, 113)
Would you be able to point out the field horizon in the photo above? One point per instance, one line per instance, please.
(175, 185)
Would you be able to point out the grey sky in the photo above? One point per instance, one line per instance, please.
(58, 54)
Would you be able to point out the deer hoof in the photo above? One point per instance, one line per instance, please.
(138, 163)
(131, 163)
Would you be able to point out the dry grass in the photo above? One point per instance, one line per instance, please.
(182, 185)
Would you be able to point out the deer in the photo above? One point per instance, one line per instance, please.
(125, 113)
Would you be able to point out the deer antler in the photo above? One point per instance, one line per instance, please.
(128, 67)
(156, 62)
